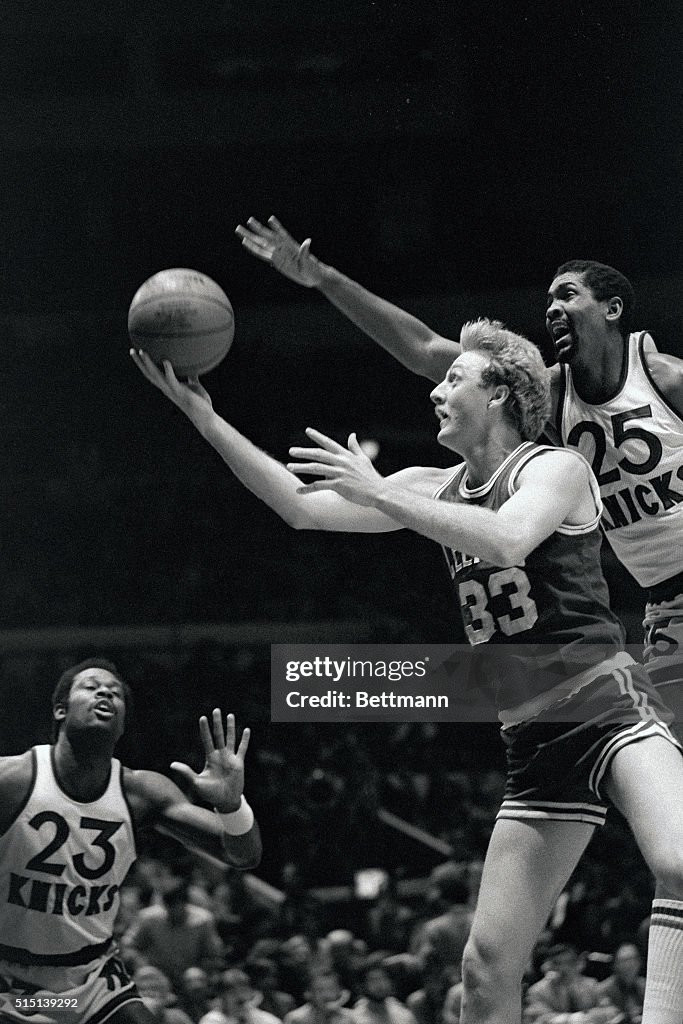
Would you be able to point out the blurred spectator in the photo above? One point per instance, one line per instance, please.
(346, 955)
(130, 903)
(325, 1002)
(566, 990)
(452, 1004)
(444, 935)
(175, 935)
(263, 974)
(194, 993)
(405, 972)
(299, 911)
(155, 992)
(295, 964)
(389, 920)
(379, 1005)
(427, 1003)
(237, 1002)
(625, 989)
(241, 914)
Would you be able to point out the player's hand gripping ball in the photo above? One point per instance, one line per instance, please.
(185, 317)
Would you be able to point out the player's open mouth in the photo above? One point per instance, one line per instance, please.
(105, 708)
(560, 333)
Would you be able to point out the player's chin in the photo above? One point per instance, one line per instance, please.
(565, 351)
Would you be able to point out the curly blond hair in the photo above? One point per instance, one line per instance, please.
(516, 362)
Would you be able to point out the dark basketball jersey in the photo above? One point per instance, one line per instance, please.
(556, 597)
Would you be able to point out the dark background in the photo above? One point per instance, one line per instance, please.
(447, 154)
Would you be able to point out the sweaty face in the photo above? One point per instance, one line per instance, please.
(460, 400)
(573, 315)
(96, 701)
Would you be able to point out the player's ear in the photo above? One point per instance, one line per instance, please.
(499, 395)
(615, 307)
(59, 712)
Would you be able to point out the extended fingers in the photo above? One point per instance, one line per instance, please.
(284, 235)
(147, 367)
(244, 743)
(218, 734)
(312, 468)
(317, 454)
(205, 735)
(230, 732)
(318, 485)
(324, 441)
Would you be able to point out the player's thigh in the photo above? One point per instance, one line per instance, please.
(645, 781)
(527, 865)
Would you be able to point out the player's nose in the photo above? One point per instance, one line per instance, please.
(437, 394)
(553, 311)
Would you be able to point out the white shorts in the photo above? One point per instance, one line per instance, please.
(64, 995)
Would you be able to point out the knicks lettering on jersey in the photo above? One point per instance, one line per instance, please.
(58, 898)
(649, 498)
(458, 560)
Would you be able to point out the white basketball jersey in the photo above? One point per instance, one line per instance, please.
(634, 443)
(61, 866)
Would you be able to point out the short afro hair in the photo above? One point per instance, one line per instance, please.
(605, 282)
(60, 694)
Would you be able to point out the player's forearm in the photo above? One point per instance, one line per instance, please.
(474, 531)
(264, 476)
(404, 336)
(200, 829)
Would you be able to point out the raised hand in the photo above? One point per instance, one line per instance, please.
(191, 397)
(221, 781)
(348, 471)
(275, 246)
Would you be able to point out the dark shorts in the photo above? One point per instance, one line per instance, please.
(663, 648)
(555, 768)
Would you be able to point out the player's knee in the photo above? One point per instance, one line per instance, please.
(488, 972)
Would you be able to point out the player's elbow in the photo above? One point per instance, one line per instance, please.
(301, 519)
(511, 551)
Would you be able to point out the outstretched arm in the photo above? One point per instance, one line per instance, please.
(552, 488)
(264, 476)
(229, 832)
(405, 337)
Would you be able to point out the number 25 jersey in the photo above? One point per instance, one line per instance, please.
(62, 863)
(635, 445)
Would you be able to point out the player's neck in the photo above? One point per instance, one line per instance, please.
(484, 458)
(599, 369)
(82, 767)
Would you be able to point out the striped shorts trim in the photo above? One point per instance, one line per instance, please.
(556, 769)
(637, 732)
(552, 810)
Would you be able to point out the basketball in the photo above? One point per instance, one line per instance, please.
(183, 316)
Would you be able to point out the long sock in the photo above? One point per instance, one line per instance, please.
(664, 988)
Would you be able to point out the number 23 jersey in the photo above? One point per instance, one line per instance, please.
(635, 444)
(62, 863)
(557, 596)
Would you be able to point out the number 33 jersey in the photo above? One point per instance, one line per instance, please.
(61, 866)
(634, 443)
(557, 596)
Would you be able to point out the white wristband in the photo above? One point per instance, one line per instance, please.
(238, 822)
